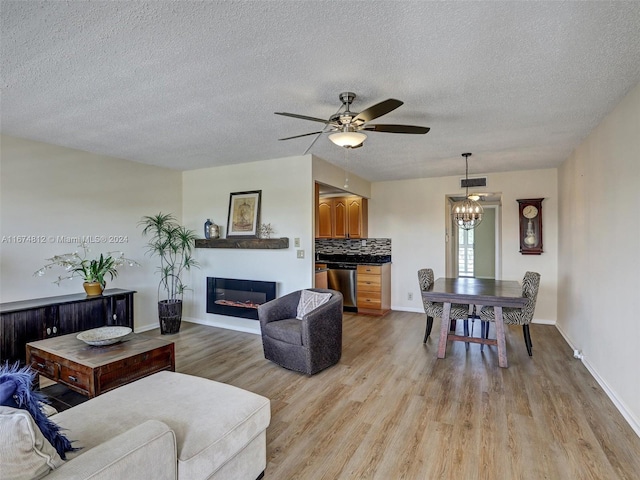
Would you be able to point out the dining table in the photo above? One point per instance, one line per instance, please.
(479, 292)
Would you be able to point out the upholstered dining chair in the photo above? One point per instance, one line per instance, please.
(303, 336)
(519, 316)
(435, 309)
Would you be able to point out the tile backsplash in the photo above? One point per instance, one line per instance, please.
(374, 246)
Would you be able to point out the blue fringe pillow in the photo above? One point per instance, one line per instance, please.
(16, 392)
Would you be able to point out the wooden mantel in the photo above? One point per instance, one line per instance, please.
(249, 243)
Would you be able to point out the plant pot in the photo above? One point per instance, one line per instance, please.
(170, 316)
(93, 288)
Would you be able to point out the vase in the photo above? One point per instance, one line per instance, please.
(93, 288)
(170, 316)
(207, 225)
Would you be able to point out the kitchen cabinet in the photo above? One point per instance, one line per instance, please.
(321, 280)
(29, 320)
(325, 218)
(342, 217)
(373, 288)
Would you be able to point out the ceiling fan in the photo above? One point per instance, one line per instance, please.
(345, 127)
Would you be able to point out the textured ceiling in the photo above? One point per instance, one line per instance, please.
(187, 85)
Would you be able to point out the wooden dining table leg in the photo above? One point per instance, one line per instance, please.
(502, 345)
(444, 330)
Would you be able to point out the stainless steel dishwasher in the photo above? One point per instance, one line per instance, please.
(342, 277)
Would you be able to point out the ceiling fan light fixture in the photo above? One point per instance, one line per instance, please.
(347, 139)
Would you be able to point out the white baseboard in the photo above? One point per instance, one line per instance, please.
(146, 328)
(407, 309)
(542, 321)
(237, 324)
(633, 422)
(230, 323)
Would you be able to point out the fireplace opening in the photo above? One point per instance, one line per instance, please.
(238, 298)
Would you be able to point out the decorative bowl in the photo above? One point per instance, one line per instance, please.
(104, 335)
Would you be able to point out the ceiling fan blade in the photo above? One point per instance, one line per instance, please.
(302, 117)
(396, 128)
(323, 130)
(378, 110)
(298, 136)
(313, 143)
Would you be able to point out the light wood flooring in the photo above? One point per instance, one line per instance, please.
(391, 410)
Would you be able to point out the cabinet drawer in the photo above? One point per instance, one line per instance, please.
(377, 296)
(41, 365)
(75, 378)
(369, 282)
(371, 301)
(371, 269)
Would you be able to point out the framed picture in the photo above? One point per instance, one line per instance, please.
(244, 214)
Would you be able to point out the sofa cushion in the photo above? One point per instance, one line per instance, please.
(24, 452)
(212, 421)
(288, 330)
(147, 451)
(309, 301)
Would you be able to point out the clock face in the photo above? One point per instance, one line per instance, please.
(530, 211)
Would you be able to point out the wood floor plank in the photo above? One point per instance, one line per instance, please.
(391, 410)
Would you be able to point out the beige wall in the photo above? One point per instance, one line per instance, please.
(50, 192)
(412, 214)
(329, 174)
(599, 257)
(287, 204)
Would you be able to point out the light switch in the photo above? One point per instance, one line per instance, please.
(296, 242)
(300, 253)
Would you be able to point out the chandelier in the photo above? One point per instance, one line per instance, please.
(467, 214)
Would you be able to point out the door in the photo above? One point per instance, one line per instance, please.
(476, 253)
(484, 246)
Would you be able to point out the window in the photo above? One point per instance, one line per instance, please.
(465, 253)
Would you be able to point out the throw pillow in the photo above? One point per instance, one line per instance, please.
(309, 301)
(16, 392)
(24, 452)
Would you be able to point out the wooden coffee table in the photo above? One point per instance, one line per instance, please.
(91, 370)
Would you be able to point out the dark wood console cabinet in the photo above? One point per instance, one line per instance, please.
(37, 319)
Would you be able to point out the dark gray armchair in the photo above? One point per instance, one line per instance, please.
(308, 345)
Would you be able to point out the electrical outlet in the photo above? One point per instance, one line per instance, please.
(300, 253)
(296, 242)
(410, 296)
(363, 243)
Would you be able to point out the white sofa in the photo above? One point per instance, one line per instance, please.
(166, 426)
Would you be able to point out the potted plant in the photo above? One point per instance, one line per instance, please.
(92, 271)
(173, 244)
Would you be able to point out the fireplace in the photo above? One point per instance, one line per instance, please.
(238, 298)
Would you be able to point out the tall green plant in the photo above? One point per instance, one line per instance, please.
(173, 244)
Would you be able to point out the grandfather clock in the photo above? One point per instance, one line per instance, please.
(530, 216)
